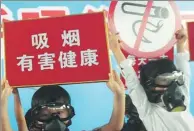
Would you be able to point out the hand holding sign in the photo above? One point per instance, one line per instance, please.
(181, 36)
(114, 42)
(6, 91)
(115, 84)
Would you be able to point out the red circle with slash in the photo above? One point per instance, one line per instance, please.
(135, 51)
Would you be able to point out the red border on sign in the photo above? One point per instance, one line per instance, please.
(190, 45)
(63, 83)
(156, 53)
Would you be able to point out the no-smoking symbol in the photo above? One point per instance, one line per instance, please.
(146, 27)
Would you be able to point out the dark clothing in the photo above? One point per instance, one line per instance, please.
(132, 125)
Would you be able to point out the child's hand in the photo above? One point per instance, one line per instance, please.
(6, 91)
(181, 36)
(114, 42)
(115, 84)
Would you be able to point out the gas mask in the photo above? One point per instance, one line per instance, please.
(51, 117)
(172, 97)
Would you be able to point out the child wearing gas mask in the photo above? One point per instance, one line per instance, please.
(133, 123)
(162, 94)
(52, 110)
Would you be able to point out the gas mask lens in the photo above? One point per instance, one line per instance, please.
(46, 112)
(166, 79)
(52, 117)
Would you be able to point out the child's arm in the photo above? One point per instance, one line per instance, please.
(136, 91)
(6, 92)
(21, 122)
(117, 119)
(182, 62)
(182, 57)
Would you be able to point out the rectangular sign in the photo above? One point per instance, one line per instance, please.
(60, 50)
(190, 31)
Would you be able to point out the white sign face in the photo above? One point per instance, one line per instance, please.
(146, 27)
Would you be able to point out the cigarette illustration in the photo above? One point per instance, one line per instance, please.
(159, 12)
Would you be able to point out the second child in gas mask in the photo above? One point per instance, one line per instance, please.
(162, 94)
